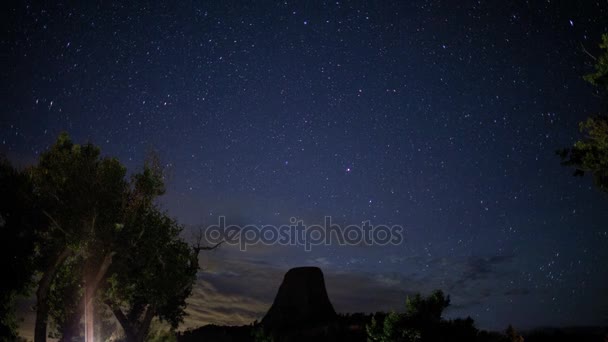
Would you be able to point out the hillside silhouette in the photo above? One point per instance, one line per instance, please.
(302, 311)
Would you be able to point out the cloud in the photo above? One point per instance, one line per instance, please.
(245, 293)
(517, 292)
(238, 288)
(477, 268)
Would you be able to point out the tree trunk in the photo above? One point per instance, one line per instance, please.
(42, 305)
(42, 315)
(144, 328)
(90, 290)
(123, 320)
(134, 331)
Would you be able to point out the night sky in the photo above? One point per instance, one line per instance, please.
(441, 116)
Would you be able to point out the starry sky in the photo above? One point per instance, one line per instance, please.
(441, 116)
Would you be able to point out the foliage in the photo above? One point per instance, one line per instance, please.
(427, 309)
(460, 329)
(260, 335)
(512, 335)
(82, 193)
(599, 77)
(66, 294)
(83, 196)
(156, 275)
(79, 222)
(160, 333)
(393, 328)
(18, 217)
(421, 320)
(590, 153)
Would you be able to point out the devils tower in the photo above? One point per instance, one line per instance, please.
(301, 302)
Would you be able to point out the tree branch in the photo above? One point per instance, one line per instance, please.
(198, 246)
(55, 223)
(587, 52)
(121, 318)
(42, 305)
(101, 272)
(144, 328)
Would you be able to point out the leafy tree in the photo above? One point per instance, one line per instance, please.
(65, 296)
(106, 240)
(394, 328)
(82, 195)
(590, 153)
(154, 278)
(153, 269)
(599, 77)
(106, 245)
(18, 218)
(427, 310)
(94, 237)
(420, 322)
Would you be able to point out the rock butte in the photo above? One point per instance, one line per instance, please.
(301, 301)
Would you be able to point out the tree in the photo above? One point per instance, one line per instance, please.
(426, 310)
(460, 329)
(154, 278)
(394, 328)
(93, 237)
(65, 295)
(103, 247)
(590, 153)
(512, 335)
(82, 195)
(18, 218)
(421, 320)
(154, 269)
(599, 78)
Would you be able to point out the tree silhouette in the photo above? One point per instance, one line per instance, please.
(154, 278)
(421, 320)
(94, 237)
(83, 197)
(18, 218)
(512, 335)
(426, 310)
(590, 153)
